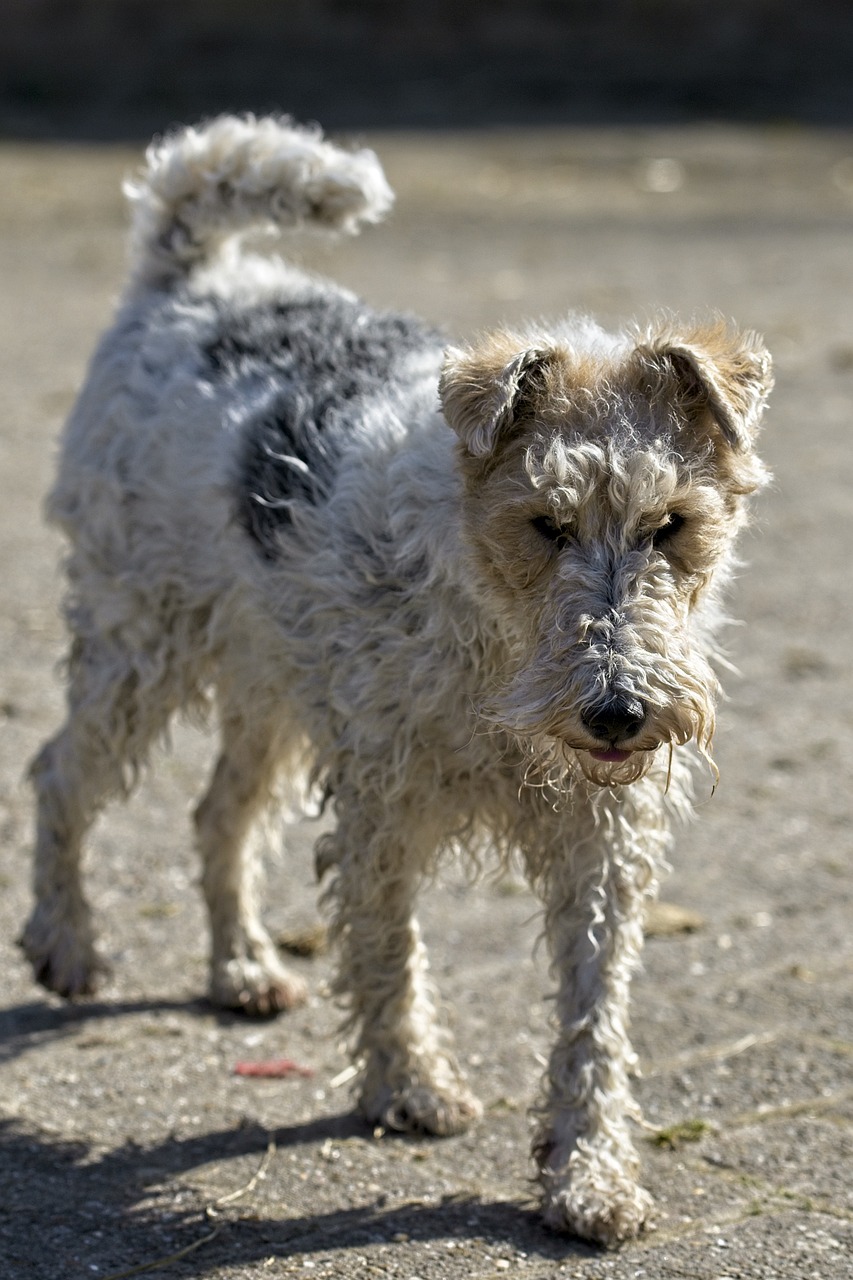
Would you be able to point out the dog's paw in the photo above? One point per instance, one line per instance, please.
(258, 988)
(607, 1210)
(421, 1108)
(62, 954)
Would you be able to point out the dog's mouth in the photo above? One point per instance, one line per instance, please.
(614, 766)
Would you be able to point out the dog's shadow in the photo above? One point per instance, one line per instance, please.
(112, 1210)
(27, 1026)
(91, 1212)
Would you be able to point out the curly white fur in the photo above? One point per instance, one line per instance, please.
(200, 185)
(496, 634)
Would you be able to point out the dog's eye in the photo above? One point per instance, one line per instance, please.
(547, 527)
(671, 526)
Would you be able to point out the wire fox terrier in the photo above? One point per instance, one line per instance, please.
(470, 592)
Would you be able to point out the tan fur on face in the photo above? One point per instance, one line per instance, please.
(680, 374)
(716, 379)
(608, 445)
(489, 387)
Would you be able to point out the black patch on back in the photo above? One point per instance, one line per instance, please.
(323, 353)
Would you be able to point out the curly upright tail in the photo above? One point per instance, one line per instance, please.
(203, 184)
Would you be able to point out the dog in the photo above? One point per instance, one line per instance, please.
(470, 593)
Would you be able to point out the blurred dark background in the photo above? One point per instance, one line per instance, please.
(116, 69)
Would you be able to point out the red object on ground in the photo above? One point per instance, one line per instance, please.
(272, 1068)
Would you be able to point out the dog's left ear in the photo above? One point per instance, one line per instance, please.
(715, 370)
(484, 390)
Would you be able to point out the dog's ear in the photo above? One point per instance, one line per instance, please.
(713, 370)
(484, 390)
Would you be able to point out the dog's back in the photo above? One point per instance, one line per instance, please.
(231, 385)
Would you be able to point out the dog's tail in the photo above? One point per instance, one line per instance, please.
(201, 185)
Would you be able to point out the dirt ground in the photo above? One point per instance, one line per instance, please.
(126, 1139)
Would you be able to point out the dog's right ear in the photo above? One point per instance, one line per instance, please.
(485, 389)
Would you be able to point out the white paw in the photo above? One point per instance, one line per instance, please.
(62, 952)
(605, 1209)
(259, 988)
(420, 1107)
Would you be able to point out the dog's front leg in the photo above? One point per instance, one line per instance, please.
(411, 1080)
(596, 878)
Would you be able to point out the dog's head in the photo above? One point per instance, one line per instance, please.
(605, 480)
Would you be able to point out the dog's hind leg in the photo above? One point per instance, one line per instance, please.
(114, 714)
(246, 972)
(411, 1080)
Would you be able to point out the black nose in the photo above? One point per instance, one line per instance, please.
(621, 717)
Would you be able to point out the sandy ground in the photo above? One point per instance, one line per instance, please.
(126, 1139)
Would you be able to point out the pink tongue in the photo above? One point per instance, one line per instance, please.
(611, 756)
